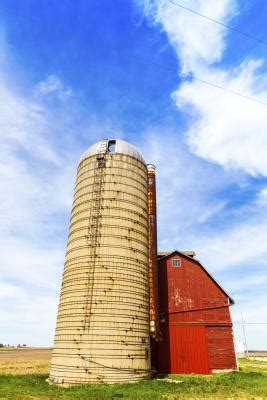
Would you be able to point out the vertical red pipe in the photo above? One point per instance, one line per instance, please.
(153, 252)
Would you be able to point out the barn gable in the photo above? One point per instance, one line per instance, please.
(189, 256)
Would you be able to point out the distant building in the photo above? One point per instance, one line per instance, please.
(195, 318)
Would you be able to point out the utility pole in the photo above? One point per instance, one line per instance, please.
(244, 333)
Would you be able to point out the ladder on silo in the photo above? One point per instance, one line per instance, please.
(93, 234)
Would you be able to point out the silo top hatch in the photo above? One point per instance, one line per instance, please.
(113, 146)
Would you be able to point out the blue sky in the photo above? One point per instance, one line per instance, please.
(72, 73)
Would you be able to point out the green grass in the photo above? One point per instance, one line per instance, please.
(249, 383)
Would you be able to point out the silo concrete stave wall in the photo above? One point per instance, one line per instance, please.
(102, 332)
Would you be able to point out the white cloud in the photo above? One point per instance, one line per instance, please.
(226, 129)
(27, 316)
(185, 195)
(197, 41)
(36, 184)
(237, 258)
(261, 199)
(23, 126)
(53, 85)
(211, 211)
(7, 290)
(41, 143)
(242, 244)
(31, 262)
(254, 313)
(254, 280)
(39, 156)
(43, 135)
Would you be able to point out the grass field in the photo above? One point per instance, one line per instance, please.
(23, 374)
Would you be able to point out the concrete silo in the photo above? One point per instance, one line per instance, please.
(102, 332)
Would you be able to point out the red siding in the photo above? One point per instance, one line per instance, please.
(220, 348)
(186, 351)
(196, 314)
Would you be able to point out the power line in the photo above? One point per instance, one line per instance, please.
(231, 28)
(206, 82)
(231, 91)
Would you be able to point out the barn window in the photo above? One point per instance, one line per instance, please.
(176, 262)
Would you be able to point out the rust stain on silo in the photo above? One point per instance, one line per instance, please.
(153, 260)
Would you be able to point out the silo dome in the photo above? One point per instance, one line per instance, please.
(113, 145)
(102, 332)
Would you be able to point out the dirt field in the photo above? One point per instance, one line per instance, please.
(25, 361)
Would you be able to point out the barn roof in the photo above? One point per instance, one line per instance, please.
(189, 255)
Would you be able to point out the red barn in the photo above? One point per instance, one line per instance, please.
(195, 318)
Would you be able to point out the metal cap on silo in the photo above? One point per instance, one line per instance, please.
(113, 146)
